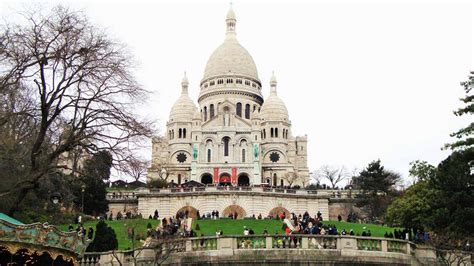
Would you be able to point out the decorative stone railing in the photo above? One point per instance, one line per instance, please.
(121, 196)
(335, 194)
(309, 249)
(235, 189)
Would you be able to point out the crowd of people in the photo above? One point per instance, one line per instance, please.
(80, 229)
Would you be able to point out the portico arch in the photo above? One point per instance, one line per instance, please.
(206, 179)
(188, 211)
(243, 179)
(277, 211)
(234, 209)
(224, 179)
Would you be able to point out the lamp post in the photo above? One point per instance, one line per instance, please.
(83, 189)
(55, 198)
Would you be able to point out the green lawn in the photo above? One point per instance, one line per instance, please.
(120, 228)
(236, 227)
(229, 227)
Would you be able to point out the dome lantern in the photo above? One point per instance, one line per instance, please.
(230, 21)
(184, 84)
(273, 83)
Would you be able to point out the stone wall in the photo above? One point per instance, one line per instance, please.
(246, 201)
(343, 207)
(252, 203)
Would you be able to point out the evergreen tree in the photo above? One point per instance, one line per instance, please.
(465, 135)
(96, 170)
(376, 185)
(413, 209)
(105, 239)
(453, 206)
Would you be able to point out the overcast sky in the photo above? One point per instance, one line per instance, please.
(363, 79)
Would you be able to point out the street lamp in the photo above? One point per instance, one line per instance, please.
(55, 198)
(83, 189)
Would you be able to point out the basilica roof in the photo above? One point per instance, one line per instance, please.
(184, 108)
(230, 57)
(274, 109)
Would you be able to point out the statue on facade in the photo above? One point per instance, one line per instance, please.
(255, 150)
(195, 152)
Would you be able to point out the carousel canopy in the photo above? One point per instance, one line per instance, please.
(9, 219)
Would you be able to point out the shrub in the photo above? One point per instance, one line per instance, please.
(105, 239)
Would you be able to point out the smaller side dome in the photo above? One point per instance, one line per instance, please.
(274, 109)
(184, 108)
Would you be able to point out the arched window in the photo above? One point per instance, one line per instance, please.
(184, 133)
(276, 132)
(243, 155)
(172, 134)
(271, 132)
(208, 155)
(226, 146)
(205, 113)
(211, 111)
(180, 133)
(247, 111)
(239, 110)
(274, 179)
(264, 134)
(179, 179)
(226, 116)
(169, 134)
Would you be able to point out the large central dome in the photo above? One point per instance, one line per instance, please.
(230, 58)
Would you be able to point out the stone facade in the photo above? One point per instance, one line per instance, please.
(234, 136)
(243, 203)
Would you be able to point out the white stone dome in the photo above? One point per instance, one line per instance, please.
(230, 58)
(184, 108)
(274, 109)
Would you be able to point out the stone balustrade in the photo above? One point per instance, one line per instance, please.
(266, 247)
(342, 194)
(132, 196)
(119, 195)
(233, 189)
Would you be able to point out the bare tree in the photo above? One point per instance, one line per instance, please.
(315, 177)
(291, 178)
(333, 174)
(82, 90)
(136, 168)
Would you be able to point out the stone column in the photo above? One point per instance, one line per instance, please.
(384, 245)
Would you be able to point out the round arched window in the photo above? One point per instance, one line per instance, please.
(274, 157)
(181, 157)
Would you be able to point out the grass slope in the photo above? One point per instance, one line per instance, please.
(236, 227)
(229, 227)
(120, 228)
